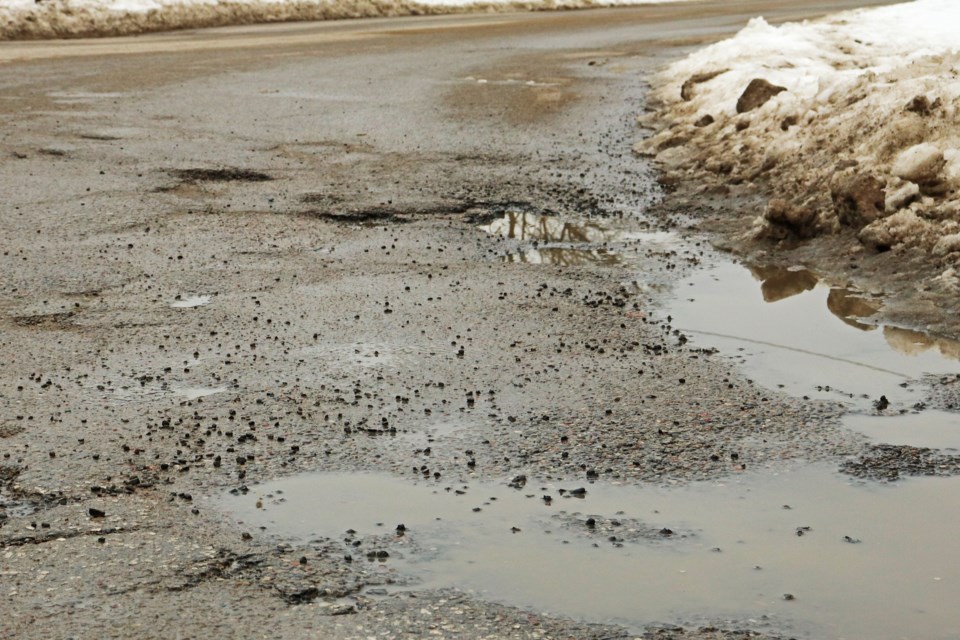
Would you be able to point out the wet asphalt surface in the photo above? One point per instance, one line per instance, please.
(324, 199)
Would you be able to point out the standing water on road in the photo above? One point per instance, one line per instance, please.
(803, 551)
(789, 330)
(806, 552)
(798, 334)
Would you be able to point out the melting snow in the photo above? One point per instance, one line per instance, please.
(853, 125)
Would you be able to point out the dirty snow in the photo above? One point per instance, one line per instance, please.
(73, 18)
(850, 122)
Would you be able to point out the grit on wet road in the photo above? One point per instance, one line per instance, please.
(234, 256)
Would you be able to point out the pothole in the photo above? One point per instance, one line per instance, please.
(227, 174)
(933, 429)
(551, 240)
(795, 333)
(809, 550)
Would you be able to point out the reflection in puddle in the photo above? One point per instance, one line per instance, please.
(530, 227)
(564, 257)
(554, 241)
(778, 283)
(793, 344)
(850, 306)
(932, 429)
(914, 343)
(861, 561)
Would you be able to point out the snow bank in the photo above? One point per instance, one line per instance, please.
(22, 19)
(850, 122)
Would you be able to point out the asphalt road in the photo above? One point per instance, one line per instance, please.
(320, 187)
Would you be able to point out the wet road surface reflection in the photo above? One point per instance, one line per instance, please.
(815, 554)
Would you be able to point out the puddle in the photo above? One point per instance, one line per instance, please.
(860, 561)
(791, 331)
(555, 241)
(190, 302)
(518, 225)
(933, 429)
(809, 339)
(563, 257)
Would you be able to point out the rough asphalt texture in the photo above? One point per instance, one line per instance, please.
(324, 188)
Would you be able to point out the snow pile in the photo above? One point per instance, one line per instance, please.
(22, 19)
(852, 122)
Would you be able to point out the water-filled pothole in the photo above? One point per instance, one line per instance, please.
(813, 553)
(796, 333)
(792, 331)
(544, 239)
(931, 429)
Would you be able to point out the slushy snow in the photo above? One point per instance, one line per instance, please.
(851, 122)
(23, 19)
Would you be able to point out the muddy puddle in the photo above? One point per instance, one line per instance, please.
(795, 333)
(544, 239)
(804, 552)
(931, 429)
(789, 330)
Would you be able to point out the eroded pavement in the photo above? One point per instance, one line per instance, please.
(226, 265)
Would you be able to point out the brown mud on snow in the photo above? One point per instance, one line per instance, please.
(857, 186)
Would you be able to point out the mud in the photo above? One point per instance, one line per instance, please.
(337, 344)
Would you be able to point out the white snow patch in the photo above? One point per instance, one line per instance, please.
(857, 120)
(191, 302)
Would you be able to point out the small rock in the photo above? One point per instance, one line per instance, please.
(96, 513)
(757, 93)
(704, 121)
(921, 105)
